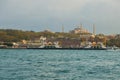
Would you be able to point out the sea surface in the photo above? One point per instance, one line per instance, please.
(31, 64)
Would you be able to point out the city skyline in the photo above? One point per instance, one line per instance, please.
(38, 15)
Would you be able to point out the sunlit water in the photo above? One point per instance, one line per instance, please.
(59, 65)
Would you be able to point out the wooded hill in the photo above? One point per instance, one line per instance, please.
(10, 35)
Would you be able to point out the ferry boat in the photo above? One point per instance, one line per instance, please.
(47, 46)
(55, 46)
(96, 47)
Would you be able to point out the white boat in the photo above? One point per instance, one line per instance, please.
(113, 48)
(3, 46)
(47, 46)
(97, 47)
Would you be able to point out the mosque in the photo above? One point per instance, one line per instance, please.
(80, 29)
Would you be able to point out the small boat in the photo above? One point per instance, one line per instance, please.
(3, 46)
(113, 48)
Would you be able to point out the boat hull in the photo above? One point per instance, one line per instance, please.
(69, 48)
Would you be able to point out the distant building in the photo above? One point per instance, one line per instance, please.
(79, 30)
(47, 30)
(84, 33)
(110, 37)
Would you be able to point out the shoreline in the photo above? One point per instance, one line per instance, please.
(58, 48)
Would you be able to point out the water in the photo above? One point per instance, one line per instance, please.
(59, 65)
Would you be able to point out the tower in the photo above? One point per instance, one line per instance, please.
(62, 29)
(94, 29)
(80, 26)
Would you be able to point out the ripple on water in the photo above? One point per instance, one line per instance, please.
(61, 71)
(59, 65)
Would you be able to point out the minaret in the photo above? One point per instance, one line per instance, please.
(94, 29)
(80, 26)
(62, 29)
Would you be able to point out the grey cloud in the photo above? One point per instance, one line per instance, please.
(52, 13)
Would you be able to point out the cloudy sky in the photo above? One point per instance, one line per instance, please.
(38, 15)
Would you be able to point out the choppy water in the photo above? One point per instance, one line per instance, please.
(59, 65)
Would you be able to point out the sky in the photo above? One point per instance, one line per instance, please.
(39, 15)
